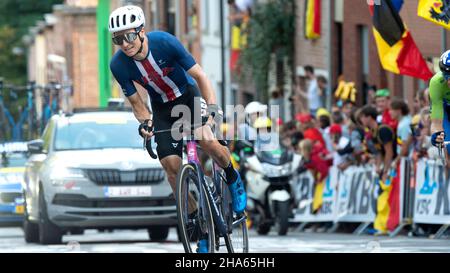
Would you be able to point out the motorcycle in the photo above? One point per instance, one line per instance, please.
(268, 179)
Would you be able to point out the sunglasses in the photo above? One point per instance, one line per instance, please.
(129, 37)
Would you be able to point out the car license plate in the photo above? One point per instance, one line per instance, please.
(128, 191)
(19, 209)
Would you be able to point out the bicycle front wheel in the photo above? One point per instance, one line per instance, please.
(191, 196)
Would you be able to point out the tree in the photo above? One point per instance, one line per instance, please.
(12, 67)
(272, 30)
(15, 19)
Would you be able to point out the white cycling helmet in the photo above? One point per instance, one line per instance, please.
(255, 107)
(127, 17)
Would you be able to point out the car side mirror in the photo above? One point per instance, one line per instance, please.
(36, 146)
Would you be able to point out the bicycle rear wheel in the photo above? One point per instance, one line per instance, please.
(237, 237)
(202, 225)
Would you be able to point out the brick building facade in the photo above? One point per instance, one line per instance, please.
(69, 36)
(353, 52)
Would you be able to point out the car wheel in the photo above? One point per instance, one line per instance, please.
(158, 233)
(263, 229)
(31, 230)
(49, 233)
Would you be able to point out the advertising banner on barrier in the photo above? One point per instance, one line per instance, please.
(304, 187)
(432, 200)
(357, 197)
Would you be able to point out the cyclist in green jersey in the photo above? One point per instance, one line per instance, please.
(440, 102)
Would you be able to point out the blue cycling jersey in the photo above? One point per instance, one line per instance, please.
(162, 73)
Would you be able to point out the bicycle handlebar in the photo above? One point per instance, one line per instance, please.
(148, 143)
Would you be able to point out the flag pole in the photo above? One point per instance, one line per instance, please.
(443, 39)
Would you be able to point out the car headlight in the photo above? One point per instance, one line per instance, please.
(59, 176)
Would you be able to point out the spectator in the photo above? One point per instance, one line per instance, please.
(240, 10)
(277, 100)
(324, 128)
(339, 118)
(400, 113)
(382, 99)
(309, 131)
(385, 142)
(314, 93)
(341, 147)
(370, 96)
(347, 108)
(421, 100)
(322, 83)
(299, 99)
(383, 137)
(291, 135)
(356, 138)
(315, 156)
(421, 132)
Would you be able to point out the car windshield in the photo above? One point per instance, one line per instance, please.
(268, 141)
(97, 133)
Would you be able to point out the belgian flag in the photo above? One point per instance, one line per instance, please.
(312, 19)
(388, 203)
(396, 48)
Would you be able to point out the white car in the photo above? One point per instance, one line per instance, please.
(90, 170)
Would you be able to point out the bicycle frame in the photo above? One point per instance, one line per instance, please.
(192, 156)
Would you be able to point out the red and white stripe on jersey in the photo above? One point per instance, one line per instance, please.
(163, 85)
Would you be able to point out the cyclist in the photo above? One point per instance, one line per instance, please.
(158, 62)
(440, 102)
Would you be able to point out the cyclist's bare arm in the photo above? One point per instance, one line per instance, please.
(204, 84)
(140, 110)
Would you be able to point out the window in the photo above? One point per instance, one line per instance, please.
(364, 34)
(171, 16)
(205, 17)
(97, 133)
(154, 18)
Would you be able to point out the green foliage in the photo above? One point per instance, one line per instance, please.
(272, 30)
(15, 19)
(12, 68)
(24, 13)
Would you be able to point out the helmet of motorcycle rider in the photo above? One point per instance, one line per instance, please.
(255, 107)
(252, 109)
